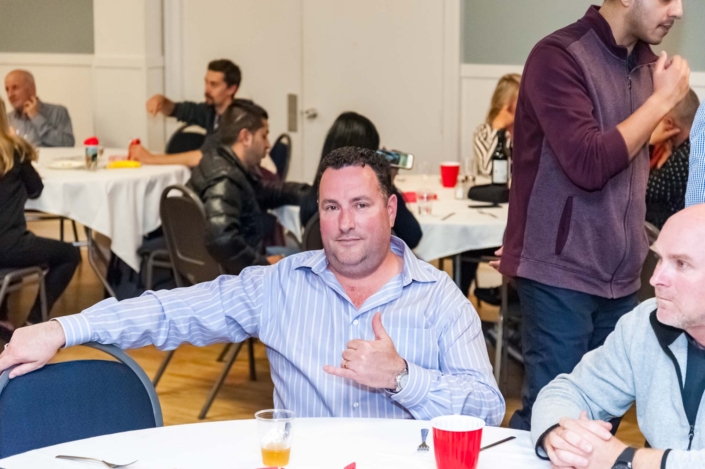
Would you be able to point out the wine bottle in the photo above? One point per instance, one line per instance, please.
(500, 160)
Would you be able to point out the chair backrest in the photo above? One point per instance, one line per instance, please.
(312, 235)
(647, 270)
(186, 138)
(75, 400)
(184, 224)
(281, 155)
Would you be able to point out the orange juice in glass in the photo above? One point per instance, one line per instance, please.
(274, 431)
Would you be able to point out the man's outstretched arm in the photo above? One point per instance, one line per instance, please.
(224, 310)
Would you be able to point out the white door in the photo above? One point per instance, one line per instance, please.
(382, 59)
(262, 37)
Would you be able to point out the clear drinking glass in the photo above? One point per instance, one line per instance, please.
(274, 430)
(424, 200)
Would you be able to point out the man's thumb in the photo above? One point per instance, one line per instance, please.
(378, 328)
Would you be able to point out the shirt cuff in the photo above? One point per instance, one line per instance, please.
(77, 329)
(540, 449)
(416, 388)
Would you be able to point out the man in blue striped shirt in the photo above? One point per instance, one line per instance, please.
(360, 329)
(695, 194)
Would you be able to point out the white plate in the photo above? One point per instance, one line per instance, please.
(66, 164)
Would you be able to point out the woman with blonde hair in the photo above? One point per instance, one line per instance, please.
(499, 118)
(19, 247)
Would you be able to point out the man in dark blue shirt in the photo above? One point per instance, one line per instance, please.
(221, 84)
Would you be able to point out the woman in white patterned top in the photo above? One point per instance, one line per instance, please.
(500, 116)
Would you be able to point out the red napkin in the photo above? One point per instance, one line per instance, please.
(410, 197)
(351, 466)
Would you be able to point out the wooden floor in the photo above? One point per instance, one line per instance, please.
(191, 374)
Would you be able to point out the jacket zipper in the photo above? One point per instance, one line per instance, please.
(631, 176)
(681, 386)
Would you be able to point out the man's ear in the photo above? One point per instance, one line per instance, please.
(245, 137)
(669, 122)
(392, 203)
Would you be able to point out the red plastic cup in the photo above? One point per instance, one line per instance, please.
(449, 173)
(456, 441)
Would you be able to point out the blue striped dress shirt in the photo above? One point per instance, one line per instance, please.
(298, 309)
(695, 194)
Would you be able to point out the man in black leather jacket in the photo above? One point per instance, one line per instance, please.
(235, 197)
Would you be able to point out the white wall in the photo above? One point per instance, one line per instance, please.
(65, 79)
(477, 83)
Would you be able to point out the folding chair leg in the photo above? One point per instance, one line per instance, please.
(224, 353)
(251, 350)
(43, 298)
(75, 230)
(500, 352)
(162, 368)
(150, 274)
(219, 383)
(61, 228)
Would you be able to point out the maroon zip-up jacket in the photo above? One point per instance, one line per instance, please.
(577, 204)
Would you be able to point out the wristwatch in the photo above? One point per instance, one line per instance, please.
(624, 461)
(402, 378)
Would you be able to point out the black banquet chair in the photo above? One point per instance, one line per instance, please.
(311, 240)
(12, 280)
(184, 224)
(185, 138)
(281, 155)
(75, 400)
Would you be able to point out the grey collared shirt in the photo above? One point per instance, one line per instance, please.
(51, 127)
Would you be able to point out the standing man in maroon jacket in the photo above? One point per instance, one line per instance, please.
(591, 94)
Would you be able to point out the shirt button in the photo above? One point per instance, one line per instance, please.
(356, 405)
(356, 322)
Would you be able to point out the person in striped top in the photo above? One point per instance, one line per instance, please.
(500, 117)
(695, 194)
(361, 328)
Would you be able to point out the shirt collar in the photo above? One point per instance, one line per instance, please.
(414, 269)
(642, 53)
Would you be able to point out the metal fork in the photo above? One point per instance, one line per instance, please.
(108, 464)
(423, 446)
(487, 213)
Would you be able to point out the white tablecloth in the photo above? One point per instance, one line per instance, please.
(317, 443)
(122, 204)
(466, 230)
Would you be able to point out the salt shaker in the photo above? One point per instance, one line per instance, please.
(461, 187)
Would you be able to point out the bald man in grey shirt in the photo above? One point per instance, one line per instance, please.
(40, 123)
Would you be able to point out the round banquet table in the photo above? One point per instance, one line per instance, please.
(122, 204)
(466, 229)
(330, 443)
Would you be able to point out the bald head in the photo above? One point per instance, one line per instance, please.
(679, 278)
(20, 87)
